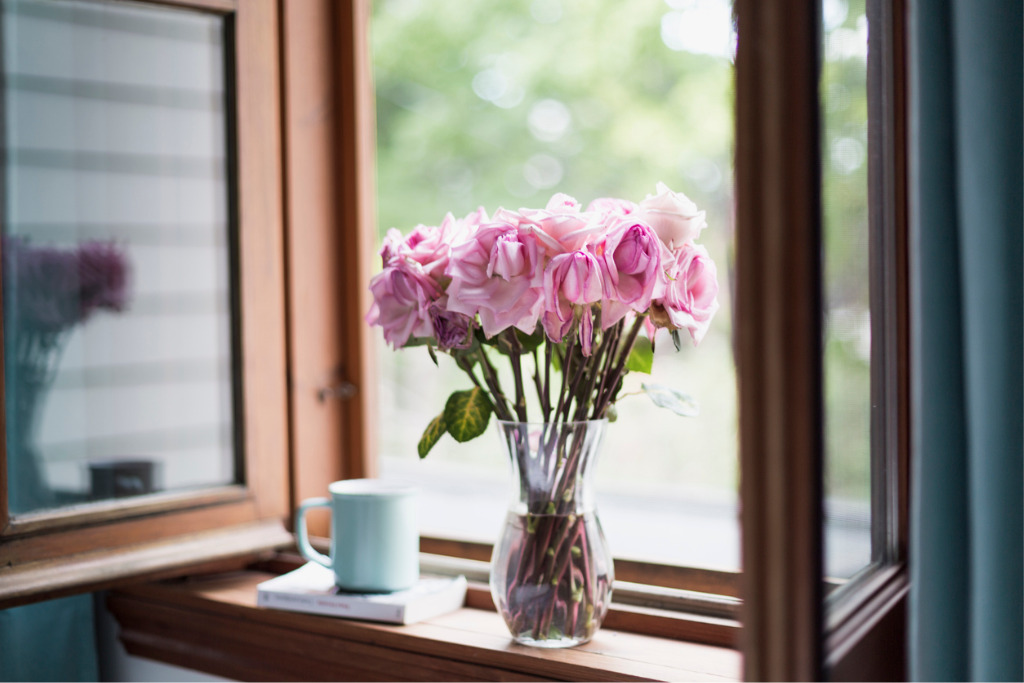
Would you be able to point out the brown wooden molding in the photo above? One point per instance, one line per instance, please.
(652, 573)
(355, 185)
(220, 6)
(642, 609)
(213, 625)
(76, 547)
(778, 337)
(869, 643)
(26, 582)
(315, 273)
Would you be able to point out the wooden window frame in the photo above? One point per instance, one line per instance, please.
(780, 301)
(306, 196)
(866, 621)
(80, 548)
(331, 345)
(790, 631)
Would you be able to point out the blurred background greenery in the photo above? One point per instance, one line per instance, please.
(505, 103)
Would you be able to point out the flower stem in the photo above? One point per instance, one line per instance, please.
(499, 400)
(602, 403)
(517, 372)
(581, 366)
(605, 363)
(566, 366)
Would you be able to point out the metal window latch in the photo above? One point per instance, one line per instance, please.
(343, 390)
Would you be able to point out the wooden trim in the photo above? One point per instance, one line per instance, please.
(329, 149)
(651, 573)
(75, 539)
(220, 6)
(845, 605)
(100, 569)
(778, 301)
(870, 643)
(641, 609)
(261, 245)
(641, 599)
(867, 619)
(689, 626)
(106, 511)
(899, 143)
(355, 146)
(890, 382)
(683, 578)
(120, 534)
(213, 625)
(314, 243)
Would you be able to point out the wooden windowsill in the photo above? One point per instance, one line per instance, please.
(212, 624)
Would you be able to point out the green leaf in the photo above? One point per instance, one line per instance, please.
(469, 356)
(467, 414)
(434, 431)
(529, 342)
(676, 401)
(641, 357)
(417, 341)
(524, 343)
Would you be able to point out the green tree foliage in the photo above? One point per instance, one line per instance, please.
(505, 103)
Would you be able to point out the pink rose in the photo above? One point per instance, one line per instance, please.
(572, 279)
(674, 218)
(631, 262)
(610, 206)
(430, 246)
(497, 273)
(402, 294)
(560, 226)
(390, 247)
(426, 245)
(691, 297)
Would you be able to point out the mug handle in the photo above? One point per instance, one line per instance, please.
(305, 548)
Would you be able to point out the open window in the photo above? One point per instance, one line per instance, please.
(799, 621)
(300, 224)
(143, 276)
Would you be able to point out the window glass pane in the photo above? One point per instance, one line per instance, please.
(117, 315)
(847, 279)
(504, 104)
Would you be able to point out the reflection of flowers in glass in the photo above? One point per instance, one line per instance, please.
(52, 289)
(47, 291)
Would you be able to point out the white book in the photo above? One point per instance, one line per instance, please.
(310, 588)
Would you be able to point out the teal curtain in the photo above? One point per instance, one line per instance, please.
(49, 641)
(966, 186)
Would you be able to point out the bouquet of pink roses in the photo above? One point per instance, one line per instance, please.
(569, 288)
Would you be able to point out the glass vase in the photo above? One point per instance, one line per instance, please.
(551, 571)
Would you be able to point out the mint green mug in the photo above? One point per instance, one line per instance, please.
(374, 535)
